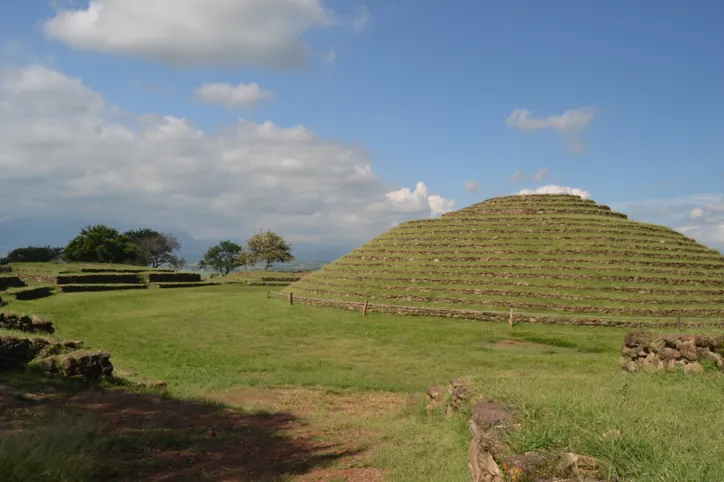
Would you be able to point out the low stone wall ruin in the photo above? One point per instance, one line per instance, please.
(499, 316)
(486, 452)
(54, 358)
(650, 352)
(26, 323)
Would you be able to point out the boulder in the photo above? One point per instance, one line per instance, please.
(527, 466)
(487, 415)
(693, 368)
(688, 350)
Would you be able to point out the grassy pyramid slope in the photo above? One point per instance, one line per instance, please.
(543, 255)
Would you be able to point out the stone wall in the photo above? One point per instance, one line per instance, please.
(174, 277)
(55, 358)
(500, 317)
(6, 269)
(11, 281)
(100, 278)
(33, 293)
(27, 323)
(690, 353)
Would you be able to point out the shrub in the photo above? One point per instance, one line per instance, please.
(34, 254)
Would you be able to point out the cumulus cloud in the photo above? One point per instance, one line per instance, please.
(540, 175)
(699, 216)
(65, 151)
(471, 186)
(419, 200)
(228, 96)
(553, 189)
(260, 33)
(570, 124)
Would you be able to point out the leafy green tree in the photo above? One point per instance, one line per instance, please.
(34, 254)
(154, 248)
(269, 247)
(100, 244)
(222, 257)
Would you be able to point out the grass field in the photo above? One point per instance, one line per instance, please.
(351, 389)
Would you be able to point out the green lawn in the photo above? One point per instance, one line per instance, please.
(564, 385)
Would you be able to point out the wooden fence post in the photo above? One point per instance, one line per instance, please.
(364, 309)
(510, 319)
(268, 294)
(291, 298)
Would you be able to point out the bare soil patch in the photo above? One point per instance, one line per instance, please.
(150, 437)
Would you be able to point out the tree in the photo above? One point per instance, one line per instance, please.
(34, 254)
(177, 262)
(100, 244)
(154, 248)
(245, 258)
(269, 247)
(222, 257)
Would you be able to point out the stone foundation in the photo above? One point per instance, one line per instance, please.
(651, 352)
(27, 323)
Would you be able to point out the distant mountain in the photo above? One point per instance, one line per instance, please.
(57, 231)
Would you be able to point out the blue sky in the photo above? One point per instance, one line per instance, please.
(424, 91)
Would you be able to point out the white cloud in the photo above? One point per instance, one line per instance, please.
(696, 213)
(540, 175)
(553, 189)
(517, 175)
(408, 201)
(64, 150)
(471, 186)
(700, 216)
(261, 33)
(570, 124)
(228, 96)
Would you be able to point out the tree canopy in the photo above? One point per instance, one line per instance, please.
(154, 248)
(269, 247)
(100, 244)
(33, 254)
(222, 257)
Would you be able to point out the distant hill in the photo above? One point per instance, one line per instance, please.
(543, 255)
(58, 231)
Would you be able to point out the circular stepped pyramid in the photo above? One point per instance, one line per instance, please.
(552, 258)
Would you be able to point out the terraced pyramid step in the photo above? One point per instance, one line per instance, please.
(555, 256)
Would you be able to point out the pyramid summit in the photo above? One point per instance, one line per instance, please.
(546, 256)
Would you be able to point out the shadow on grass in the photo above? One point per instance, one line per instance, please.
(68, 431)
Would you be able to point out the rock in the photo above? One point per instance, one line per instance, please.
(670, 340)
(705, 355)
(482, 465)
(657, 345)
(669, 354)
(434, 393)
(158, 384)
(694, 368)
(449, 411)
(576, 465)
(526, 466)
(487, 415)
(630, 366)
(688, 350)
(670, 365)
(702, 341)
(39, 323)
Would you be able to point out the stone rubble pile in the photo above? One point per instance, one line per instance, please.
(651, 352)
